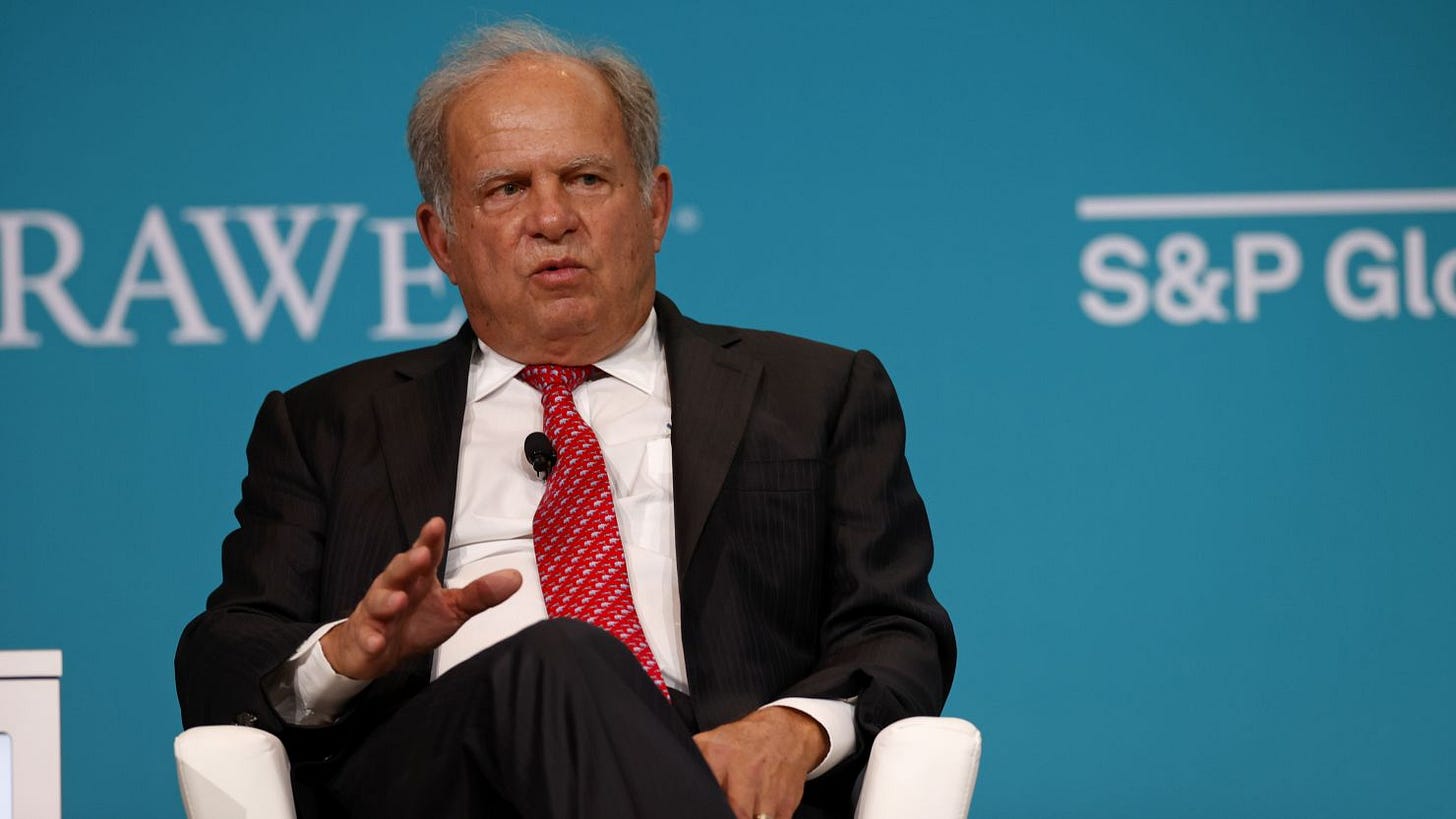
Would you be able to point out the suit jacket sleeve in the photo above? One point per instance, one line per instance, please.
(885, 637)
(273, 594)
(267, 603)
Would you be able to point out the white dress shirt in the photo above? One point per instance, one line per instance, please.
(497, 493)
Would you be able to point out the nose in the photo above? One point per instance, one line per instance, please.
(552, 214)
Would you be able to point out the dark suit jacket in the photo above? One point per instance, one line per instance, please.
(803, 547)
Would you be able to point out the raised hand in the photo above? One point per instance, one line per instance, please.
(407, 612)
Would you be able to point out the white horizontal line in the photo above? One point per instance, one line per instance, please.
(1289, 203)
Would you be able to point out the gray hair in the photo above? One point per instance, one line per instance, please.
(484, 51)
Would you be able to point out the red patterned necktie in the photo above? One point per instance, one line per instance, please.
(578, 546)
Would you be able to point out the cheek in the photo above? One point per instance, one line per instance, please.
(487, 267)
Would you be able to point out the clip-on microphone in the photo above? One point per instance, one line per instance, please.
(540, 453)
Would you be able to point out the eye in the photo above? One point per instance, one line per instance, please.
(589, 180)
(509, 189)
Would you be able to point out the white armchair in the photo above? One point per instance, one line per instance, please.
(923, 767)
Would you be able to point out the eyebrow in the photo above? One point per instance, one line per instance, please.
(484, 178)
(587, 161)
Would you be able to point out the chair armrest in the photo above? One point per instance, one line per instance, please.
(923, 767)
(232, 772)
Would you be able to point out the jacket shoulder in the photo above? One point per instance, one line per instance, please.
(361, 379)
(776, 349)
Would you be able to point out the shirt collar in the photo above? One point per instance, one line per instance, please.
(640, 363)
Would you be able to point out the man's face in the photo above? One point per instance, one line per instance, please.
(553, 244)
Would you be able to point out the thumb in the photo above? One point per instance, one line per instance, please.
(490, 590)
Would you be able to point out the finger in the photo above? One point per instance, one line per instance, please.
(384, 604)
(742, 795)
(349, 647)
(705, 744)
(485, 592)
(372, 640)
(778, 804)
(766, 804)
(405, 568)
(432, 537)
(355, 641)
(413, 570)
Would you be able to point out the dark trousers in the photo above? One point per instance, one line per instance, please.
(557, 721)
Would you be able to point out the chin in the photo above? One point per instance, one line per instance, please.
(568, 317)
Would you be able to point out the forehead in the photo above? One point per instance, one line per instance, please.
(534, 102)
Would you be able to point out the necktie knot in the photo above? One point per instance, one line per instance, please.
(554, 376)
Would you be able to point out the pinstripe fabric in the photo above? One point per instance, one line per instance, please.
(814, 547)
(342, 471)
(803, 547)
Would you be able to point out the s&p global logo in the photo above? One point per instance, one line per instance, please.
(1216, 258)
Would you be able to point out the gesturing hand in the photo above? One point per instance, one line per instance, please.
(761, 760)
(407, 612)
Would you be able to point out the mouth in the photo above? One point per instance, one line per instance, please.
(564, 266)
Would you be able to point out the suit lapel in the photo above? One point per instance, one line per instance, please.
(712, 386)
(419, 427)
(712, 392)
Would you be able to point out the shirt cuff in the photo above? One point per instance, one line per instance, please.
(836, 717)
(306, 690)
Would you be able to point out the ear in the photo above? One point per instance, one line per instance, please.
(436, 238)
(661, 204)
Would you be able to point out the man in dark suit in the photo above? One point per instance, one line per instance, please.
(788, 615)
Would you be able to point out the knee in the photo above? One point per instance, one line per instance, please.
(558, 645)
(551, 664)
(564, 639)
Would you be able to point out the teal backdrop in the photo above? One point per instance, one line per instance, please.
(1190, 462)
